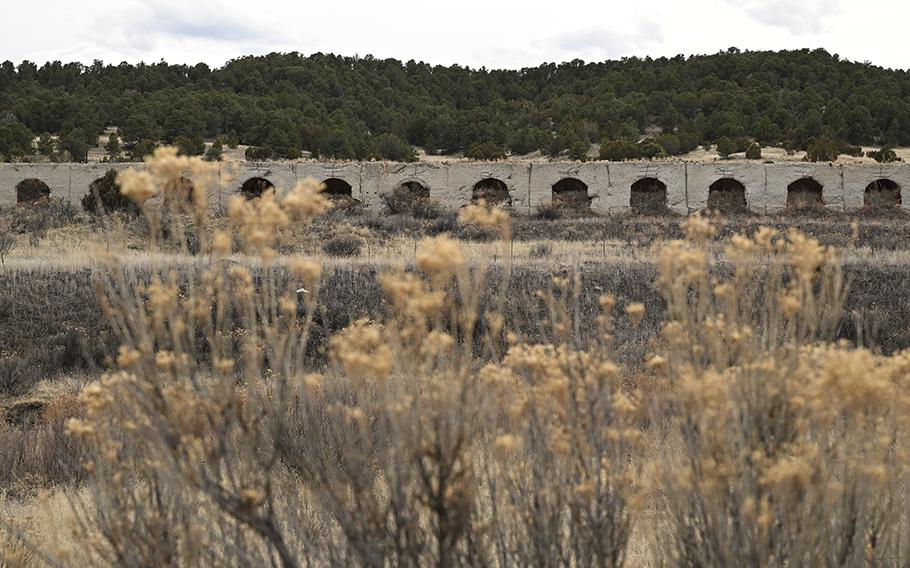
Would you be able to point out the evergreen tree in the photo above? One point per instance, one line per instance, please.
(618, 150)
(190, 145)
(215, 151)
(142, 149)
(75, 143)
(485, 151)
(753, 152)
(15, 140)
(341, 107)
(725, 147)
(391, 147)
(112, 147)
(821, 149)
(883, 155)
(579, 151)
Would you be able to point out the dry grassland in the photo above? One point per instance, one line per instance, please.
(188, 390)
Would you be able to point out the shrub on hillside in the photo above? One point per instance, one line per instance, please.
(485, 151)
(215, 151)
(725, 147)
(821, 150)
(884, 155)
(688, 141)
(849, 150)
(190, 145)
(650, 149)
(619, 150)
(258, 153)
(391, 147)
(141, 149)
(578, 151)
(753, 152)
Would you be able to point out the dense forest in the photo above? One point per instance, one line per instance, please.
(363, 107)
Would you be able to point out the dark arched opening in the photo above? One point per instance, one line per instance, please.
(335, 187)
(727, 195)
(571, 193)
(491, 190)
(804, 192)
(649, 195)
(180, 189)
(32, 190)
(255, 187)
(882, 193)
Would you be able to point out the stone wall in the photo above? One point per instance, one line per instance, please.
(530, 184)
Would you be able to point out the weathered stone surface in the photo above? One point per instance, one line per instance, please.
(699, 178)
(529, 184)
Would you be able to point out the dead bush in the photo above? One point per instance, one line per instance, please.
(7, 242)
(343, 246)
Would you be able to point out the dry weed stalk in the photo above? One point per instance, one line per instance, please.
(783, 448)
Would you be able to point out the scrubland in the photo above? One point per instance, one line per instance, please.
(693, 392)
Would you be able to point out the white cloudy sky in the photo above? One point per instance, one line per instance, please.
(489, 33)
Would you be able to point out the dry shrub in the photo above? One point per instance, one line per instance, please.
(34, 447)
(649, 196)
(438, 434)
(7, 242)
(782, 448)
(36, 219)
(343, 245)
(549, 212)
(570, 196)
(411, 199)
(541, 250)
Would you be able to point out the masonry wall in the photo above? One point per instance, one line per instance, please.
(530, 184)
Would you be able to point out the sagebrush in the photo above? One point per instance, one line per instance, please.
(438, 432)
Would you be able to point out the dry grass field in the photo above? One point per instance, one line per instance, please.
(294, 385)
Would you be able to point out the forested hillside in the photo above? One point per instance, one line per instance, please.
(362, 107)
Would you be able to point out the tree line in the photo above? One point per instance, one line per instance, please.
(283, 104)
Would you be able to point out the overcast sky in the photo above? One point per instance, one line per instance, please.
(490, 33)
